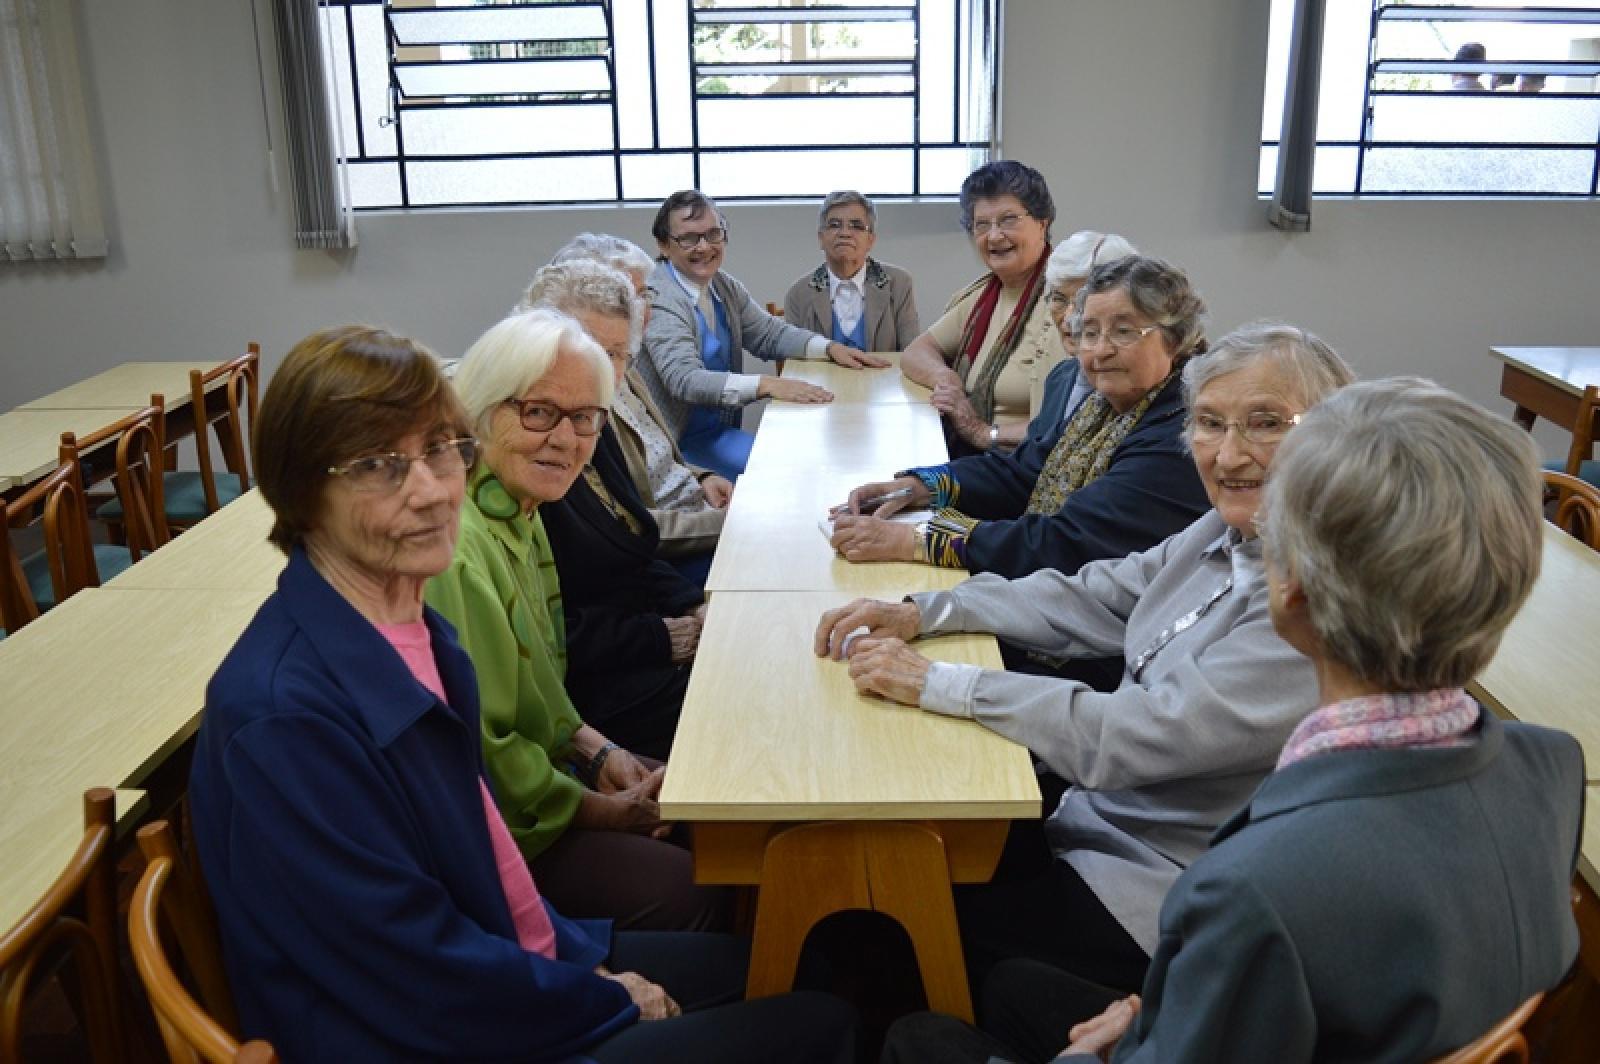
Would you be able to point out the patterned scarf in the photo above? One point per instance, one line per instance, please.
(1085, 448)
(977, 327)
(1428, 718)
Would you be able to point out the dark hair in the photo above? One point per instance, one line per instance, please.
(339, 394)
(1007, 177)
(697, 203)
(1472, 52)
(1160, 292)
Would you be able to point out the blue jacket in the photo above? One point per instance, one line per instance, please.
(1149, 491)
(340, 826)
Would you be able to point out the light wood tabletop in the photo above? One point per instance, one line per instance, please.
(871, 441)
(30, 440)
(1547, 382)
(772, 542)
(870, 386)
(128, 385)
(1547, 670)
(40, 837)
(228, 551)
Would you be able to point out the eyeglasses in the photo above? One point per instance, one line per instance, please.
(386, 472)
(539, 416)
(1120, 336)
(1006, 223)
(836, 225)
(1056, 299)
(1261, 427)
(688, 241)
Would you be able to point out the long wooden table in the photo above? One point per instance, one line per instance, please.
(30, 440)
(129, 385)
(871, 440)
(859, 386)
(228, 551)
(1547, 382)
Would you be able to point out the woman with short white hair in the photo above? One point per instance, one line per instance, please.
(1399, 883)
(536, 389)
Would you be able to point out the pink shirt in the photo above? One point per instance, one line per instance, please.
(534, 932)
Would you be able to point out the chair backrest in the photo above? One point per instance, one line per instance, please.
(172, 895)
(1577, 506)
(241, 392)
(17, 607)
(77, 917)
(139, 480)
(1585, 430)
(1501, 1043)
(777, 312)
(59, 496)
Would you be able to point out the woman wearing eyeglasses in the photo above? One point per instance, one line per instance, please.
(987, 356)
(583, 811)
(371, 901)
(703, 319)
(852, 297)
(1208, 695)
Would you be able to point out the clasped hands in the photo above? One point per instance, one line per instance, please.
(872, 635)
(950, 399)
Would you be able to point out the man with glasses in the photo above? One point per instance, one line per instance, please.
(852, 297)
(702, 319)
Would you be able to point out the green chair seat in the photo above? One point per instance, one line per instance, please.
(185, 497)
(1589, 471)
(109, 560)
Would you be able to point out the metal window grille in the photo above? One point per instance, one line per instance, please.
(1405, 111)
(455, 103)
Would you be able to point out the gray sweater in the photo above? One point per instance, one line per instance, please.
(1158, 764)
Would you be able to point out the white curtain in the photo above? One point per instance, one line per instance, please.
(49, 194)
(319, 175)
(981, 28)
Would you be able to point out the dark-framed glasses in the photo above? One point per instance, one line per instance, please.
(537, 415)
(688, 241)
(387, 471)
(1261, 427)
(839, 225)
(1119, 336)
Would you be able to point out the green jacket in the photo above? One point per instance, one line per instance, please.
(502, 595)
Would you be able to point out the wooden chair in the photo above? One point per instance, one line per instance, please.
(69, 561)
(777, 312)
(17, 607)
(1577, 506)
(75, 920)
(192, 496)
(1585, 430)
(1501, 1043)
(171, 894)
(138, 512)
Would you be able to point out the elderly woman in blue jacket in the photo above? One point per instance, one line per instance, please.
(1400, 882)
(372, 902)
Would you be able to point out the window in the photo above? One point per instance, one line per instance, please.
(597, 101)
(1409, 106)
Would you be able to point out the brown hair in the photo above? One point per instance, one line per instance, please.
(342, 393)
(692, 199)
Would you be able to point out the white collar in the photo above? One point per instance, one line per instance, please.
(687, 285)
(834, 281)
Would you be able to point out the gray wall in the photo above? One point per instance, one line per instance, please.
(1143, 114)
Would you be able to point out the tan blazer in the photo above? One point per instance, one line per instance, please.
(891, 306)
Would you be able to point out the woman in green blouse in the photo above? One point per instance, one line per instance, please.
(583, 810)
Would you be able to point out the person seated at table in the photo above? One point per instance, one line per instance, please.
(1112, 478)
(1400, 882)
(852, 297)
(987, 356)
(1209, 692)
(536, 390)
(688, 503)
(371, 902)
(701, 322)
(633, 621)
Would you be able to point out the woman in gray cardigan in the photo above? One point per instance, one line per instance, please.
(703, 319)
(1208, 694)
(1400, 882)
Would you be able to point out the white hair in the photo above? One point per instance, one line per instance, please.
(1077, 256)
(613, 251)
(519, 351)
(585, 286)
(1411, 519)
(1314, 370)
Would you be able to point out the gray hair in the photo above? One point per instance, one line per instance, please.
(1077, 256)
(613, 251)
(1314, 369)
(584, 286)
(847, 197)
(1160, 292)
(1411, 519)
(516, 353)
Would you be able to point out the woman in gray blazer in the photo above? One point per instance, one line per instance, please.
(1400, 882)
(852, 297)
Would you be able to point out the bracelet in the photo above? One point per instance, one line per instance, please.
(994, 436)
(921, 553)
(599, 759)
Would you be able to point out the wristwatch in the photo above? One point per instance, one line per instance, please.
(994, 436)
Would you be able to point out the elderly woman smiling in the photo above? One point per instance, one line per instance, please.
(1111, 478)
(536, 389)
(1208, 695)
(372, 903)
(1359, 907)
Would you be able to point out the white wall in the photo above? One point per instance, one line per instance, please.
(1143, 114)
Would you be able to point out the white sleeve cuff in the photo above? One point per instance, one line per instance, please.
(817, 346)
(741, 389)
(947, 689)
